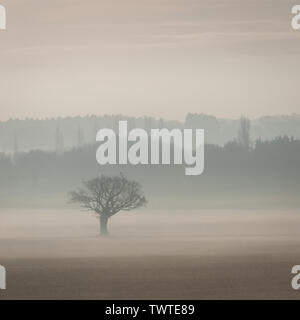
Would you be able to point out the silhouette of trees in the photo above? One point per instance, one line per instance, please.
(61, 134)
(80, 137)
(59, 140)
(16, 143)
(267, 169)
(107, 196)
(244, 133)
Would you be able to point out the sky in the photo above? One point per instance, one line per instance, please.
(161, 58)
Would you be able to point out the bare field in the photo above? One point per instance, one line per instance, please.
(57, 254)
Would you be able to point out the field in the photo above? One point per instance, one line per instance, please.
(57, 254)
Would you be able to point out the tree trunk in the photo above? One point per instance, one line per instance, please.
(103, 226)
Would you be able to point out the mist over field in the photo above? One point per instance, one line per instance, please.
(71, 228)
(217, 254)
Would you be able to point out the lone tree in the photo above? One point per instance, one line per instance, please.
(107, 196)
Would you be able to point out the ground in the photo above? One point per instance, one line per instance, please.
(57, 254)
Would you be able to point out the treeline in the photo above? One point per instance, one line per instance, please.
(61, 134)
(266, 173)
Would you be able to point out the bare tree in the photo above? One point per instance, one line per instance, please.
(244, 133)
(107, 196)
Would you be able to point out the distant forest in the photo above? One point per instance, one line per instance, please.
(62, 134)
(241, 173)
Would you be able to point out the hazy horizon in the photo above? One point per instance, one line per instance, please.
(87, 115)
